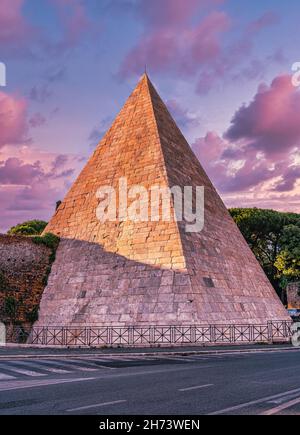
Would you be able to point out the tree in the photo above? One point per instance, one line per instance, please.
(274, 239)
(288, 260)
(28, 228)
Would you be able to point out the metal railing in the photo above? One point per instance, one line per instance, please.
(96, 336)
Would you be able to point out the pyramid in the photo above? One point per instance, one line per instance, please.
(124, 272)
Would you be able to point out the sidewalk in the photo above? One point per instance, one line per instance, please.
(30, 352)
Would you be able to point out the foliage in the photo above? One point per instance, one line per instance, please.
(33, 315)
(28, 228)
(3, 282)
(48, 239)
(11, 308)
(288, 260)
(52, 242)
(274, 238)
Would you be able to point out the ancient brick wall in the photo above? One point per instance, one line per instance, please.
(24, 267)
(293, 295)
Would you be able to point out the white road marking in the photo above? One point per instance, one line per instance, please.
(200, 358)
(98, 405)
(283, 399)
(254, 402)
(197, 387)
(69, 365)
(93, 363)
(21, 371)
(282, 407)
(116, 358)
(82, 365)
(19, 385)
(3, 377)
(186, 359)
(91, 358)
(43, 365)
(174, 358)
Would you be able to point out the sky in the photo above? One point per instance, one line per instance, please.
(223, 67)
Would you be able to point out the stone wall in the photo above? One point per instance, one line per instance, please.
(293, 296)
(24, 268)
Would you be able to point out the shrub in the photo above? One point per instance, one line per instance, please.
(48, 239)
(28, 228)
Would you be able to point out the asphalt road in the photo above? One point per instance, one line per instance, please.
(124, 384)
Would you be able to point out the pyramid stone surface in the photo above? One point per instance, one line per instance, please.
(142, 273)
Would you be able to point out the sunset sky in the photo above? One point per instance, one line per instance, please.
(222, 66)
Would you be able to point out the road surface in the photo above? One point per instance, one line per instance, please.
(125, 384)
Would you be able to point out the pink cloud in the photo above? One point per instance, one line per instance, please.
(183, 117)
(13, 26)
(269, 18)
(289, 179)
(165, 48)
(40, 93)
(271, 122)
(185, 38)
(74, 23)
(37, 120)
(233, 170)
(15, 172)
(257, 155)
(29, 190)
(13, 123)
(164, 13)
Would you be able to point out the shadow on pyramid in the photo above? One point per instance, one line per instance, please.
(125, 273)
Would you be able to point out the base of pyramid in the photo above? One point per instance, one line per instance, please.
(90, 286)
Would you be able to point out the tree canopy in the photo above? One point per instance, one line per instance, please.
(274, 238)
(28, 228)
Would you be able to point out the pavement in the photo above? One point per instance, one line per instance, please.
(257, 381)
(36, 352)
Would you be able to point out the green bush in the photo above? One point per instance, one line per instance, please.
(33, 315)
(3, 282)
(48, 239)
(28, 228)
(10, 307)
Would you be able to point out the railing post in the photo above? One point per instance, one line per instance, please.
(212, 333)
(270, 332)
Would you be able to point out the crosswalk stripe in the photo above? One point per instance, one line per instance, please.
(5, 377)
(82, 365)
(18, 385)
(20, 371)
(173, 358)
(94, 363)
(40, 366)
(52, 363)
(117, 358)
(106, 360)
(69, 365)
